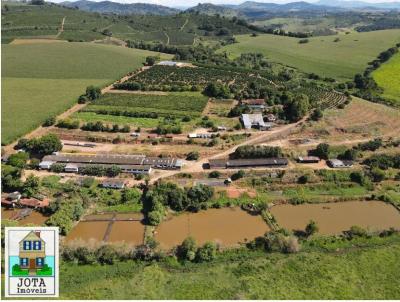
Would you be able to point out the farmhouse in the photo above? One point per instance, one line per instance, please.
(247, 163)
(254, 103)
(34, 202)
(337, 163)
(308, 159)
(255, 120)
(32, 251)
(113, 184)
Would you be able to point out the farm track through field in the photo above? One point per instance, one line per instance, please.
(61, 28)
(165, 33)
(184, 24)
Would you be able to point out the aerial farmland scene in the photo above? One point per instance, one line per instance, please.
(201, 151)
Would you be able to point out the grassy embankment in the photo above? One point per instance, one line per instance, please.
(43, 80)
(321, 55)
(367, 270)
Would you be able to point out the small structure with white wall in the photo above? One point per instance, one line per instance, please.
(252, 120)
(308, 159)
(202, 135)
(337, 163)
(72, 168)
(46, 164)
(113, 184)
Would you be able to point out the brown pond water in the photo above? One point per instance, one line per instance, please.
(35, 217)
(334, 218)
(88, 230)
(227, 226)
(128, 231)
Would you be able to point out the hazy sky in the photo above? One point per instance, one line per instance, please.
(194, 2)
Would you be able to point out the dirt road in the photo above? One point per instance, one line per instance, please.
(194, 167)
(61, 28)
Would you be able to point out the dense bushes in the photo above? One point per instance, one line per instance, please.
(188, 251)
(372, 145)
(383, 161)
(194, 155)
(107, 254)
(93, 92)
(10, 178)
(322, 151)
(239, 110)
(248, 151)
(296, 108)
(169, 194)
(99, 126)
(18, 160)
(217, 90)
(276, 241)
(168, 127)
(65, 213)
(99, 170)
(45, 145)
(49, 122)
(128, 86)
(68, 124)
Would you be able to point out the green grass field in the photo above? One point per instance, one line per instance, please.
(43, 80)
(388, 77)
(295, 24)
(354, 273)
(340, 60)
(120, 120)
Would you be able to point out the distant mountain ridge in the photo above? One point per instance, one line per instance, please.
(252, 9)
(359, 4)
(246, 9)
(121, 8)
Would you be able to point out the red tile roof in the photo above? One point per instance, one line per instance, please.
(254, 102)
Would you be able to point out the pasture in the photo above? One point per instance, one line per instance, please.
(358, 120)
(321, 55)
(388, 77)
(44, 79)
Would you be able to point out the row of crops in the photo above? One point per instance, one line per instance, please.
(322, 97)
(149, 106)
(160, 76)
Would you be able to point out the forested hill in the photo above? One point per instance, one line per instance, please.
(44, 21)
(121, 8)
